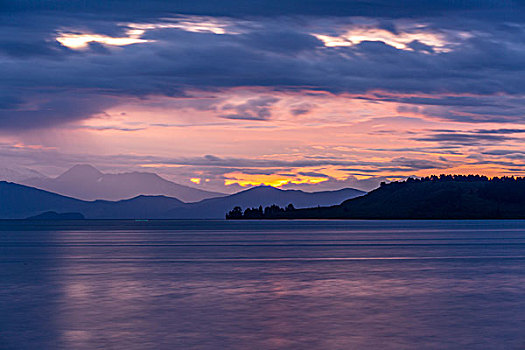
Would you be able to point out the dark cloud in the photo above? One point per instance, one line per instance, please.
(465, 139)
(312, 174)
(417, 164)
(253, 109)
(300, 109)
(358, 171)
(49, 109)
(282, 42)
(479, 78)
(134, 9)
(212, 158)
(331, 184)
(502, 152)
(399, 164)
(500, 131)
(417, 45)
(425, 150)
(407, 109)
(517, 156)
(103, 128)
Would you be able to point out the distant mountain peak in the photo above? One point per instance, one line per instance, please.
(262, 188)
(83, 181)
(81, 171)
(17, 174)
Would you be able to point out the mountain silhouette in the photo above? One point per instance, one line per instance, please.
(18, 174)
(88, 183)
(82, 172)
(215, 208)
(20, 201)
(53, 215)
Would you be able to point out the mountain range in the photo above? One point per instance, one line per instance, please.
(20, 201)
(88, 183)
(18, 174)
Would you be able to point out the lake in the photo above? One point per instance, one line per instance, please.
(263, 285)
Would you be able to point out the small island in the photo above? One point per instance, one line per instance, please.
(53, 215)
(432, 197)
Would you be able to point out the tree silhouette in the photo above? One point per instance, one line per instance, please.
(258, 213)
(236, 213)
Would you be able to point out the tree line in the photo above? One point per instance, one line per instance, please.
(257, 213)
(437, 196)
(459, 178)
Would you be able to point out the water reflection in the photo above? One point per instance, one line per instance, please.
(29, 296)
(429, 286)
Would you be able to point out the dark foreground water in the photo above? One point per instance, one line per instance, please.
(264, 285)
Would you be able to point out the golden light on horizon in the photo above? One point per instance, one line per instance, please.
(274, 180)
(196, 180)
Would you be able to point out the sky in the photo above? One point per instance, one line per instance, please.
(221, 95)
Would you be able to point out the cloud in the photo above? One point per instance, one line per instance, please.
(242, 8)
(464, 139)
(283, 42)
(49, 109)
(398, 164)
(107, 127)
(417, 164)
(417, 45)
(473, 137)
(500, 131)
(82, 41)
(212, 158)
(479, 78)
(312, 174)
(217, 169)
(253, 109)
(448, 67)
(503, 152)
(300, 109)
(331, 184)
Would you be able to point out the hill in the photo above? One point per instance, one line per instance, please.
(19, 201)
(444, 197)
(215, 208)
(88, 183)
(53, 215)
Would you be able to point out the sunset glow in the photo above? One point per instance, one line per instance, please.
(277, 174)
(223, 102)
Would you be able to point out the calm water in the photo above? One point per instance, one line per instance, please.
(265, 285)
